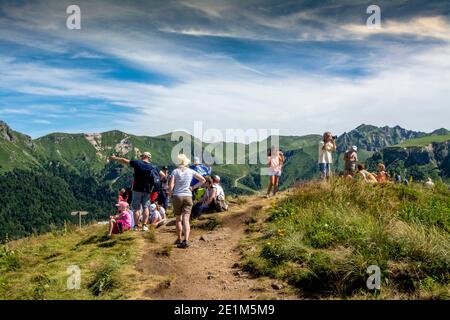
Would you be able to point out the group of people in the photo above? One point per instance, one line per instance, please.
(353, 169)
(193, 190)
(152, 190)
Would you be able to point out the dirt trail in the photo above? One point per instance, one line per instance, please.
(209, 268)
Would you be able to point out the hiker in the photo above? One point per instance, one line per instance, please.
(364, 175)
(213, 200)
(202, 206)
(122, 195)
(350, 158)
(180, 191)
(163, 196)
(429, 183)
(121, 222)
(204, 171)
(382, 176)
(275, 161)
(146, 180)
(157, 215)
(326, 147)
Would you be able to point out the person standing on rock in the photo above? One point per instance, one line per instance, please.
(145, 176)
(326, 147)
(180, 191)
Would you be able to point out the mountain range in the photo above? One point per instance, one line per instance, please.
(87, 153)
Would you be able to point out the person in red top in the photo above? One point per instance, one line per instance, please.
(123, 196)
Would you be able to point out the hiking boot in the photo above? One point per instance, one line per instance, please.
(184, 244)
(177, 242)
(144, 228)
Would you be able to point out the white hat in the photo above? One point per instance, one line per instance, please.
(146, 154)
(196, 160)
(153, 207)
(355, 148)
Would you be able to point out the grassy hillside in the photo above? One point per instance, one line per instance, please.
(322, 238)
(36, 267)
(424, 141)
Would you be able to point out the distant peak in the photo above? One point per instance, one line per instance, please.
(441, 132)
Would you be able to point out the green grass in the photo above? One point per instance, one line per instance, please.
(322, 238)
(424, 141)
(36, 267)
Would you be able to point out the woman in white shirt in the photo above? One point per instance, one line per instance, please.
(180, 191)
(326, 147)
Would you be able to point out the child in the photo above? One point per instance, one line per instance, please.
(120, 222)
(157, 215)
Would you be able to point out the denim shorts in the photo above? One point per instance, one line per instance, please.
(140, 199)
(325, 169)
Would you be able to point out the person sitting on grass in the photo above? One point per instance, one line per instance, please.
(121, 221)
(201, 206)
(157, 215)
(213, 200)
(382, 176)
(363, 175)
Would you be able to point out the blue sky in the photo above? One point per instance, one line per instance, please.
(150, 67)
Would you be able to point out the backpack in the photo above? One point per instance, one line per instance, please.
(154, 180)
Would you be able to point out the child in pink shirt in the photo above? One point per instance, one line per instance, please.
(120, 222)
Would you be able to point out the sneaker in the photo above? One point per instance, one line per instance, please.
(183, 245)
(135, 228)
(144, 228)
(177, 242)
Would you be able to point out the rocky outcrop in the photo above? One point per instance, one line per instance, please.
(435, 155)
(372, 138)
(6, 132)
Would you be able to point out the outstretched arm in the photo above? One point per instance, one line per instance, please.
(120, 160)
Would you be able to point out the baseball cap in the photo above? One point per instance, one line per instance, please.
(152, 207)
(355, 148)
(146, 154)
(196, 160)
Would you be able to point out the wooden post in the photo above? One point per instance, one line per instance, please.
(79, 213)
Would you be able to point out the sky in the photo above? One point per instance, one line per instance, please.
(152, 67)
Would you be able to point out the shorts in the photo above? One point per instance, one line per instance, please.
(350, 168)
(140, 199)
(273, 173)
(325, 169)
(182, 205)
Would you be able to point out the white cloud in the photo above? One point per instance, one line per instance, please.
(408, 90)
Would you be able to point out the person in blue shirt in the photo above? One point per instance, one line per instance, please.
(204, 171)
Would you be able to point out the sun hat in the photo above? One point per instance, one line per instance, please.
(122, 204)
(183, 160)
